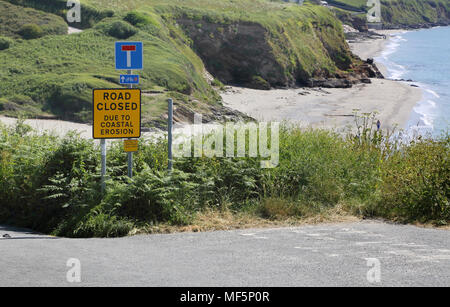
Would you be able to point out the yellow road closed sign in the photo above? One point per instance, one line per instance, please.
(117, 113)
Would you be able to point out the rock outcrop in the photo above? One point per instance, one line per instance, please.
(262, 55)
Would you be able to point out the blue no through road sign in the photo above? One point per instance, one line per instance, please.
(129, 55)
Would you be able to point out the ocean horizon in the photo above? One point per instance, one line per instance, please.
(424, 57)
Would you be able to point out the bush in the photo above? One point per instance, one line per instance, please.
(52, 184)
(154, 197)
(415, 183)
(5, 43)
(102, 225)
(259, 83)
(31, 31)
(137, 19)
(120, 30)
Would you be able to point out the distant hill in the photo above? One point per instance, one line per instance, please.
(401, 13)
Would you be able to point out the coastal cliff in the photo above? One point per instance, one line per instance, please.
(259, 44)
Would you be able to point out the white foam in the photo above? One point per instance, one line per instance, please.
(433, 93)
(426, 111)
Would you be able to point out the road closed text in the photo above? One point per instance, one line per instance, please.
(117, 113)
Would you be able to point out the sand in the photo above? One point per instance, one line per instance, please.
(72, 30)
(332, 108)
(51, 126)
(372, 48)
(328, 108)
(324, 108)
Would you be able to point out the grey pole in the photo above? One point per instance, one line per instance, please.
(130, 154)
(170, 128)
(103, 154)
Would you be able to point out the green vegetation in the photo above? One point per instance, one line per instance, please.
(405, 13)
(5, 43)
(52, 184)
(15, 19)
(59, 7)
(256, 43)
(31, 31)
(57, 73)
(283, 44)
(400, 13)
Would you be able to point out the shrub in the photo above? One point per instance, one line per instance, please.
(31, 31)
(153, 197)
(415, 183)
(52, 184)
(258, 82)
(120, 30)
(5, 43)
(139, 19)
(99, 224)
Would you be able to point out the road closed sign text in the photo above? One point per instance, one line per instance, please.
(117, 113)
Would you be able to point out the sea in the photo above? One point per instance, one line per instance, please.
(424, 57)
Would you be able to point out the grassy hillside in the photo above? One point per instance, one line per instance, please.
(13, 18)
(406, 13)
(415, 12)
(90, 14)
(255, 43)
(55, 74)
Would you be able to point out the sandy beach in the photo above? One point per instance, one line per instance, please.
(328, 108)
(332, 108)
(372, 48)
(306, 107)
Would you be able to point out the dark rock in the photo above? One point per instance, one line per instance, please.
(329, 83)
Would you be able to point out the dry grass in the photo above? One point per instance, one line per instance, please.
(213, 220)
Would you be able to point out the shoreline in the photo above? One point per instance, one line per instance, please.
(327, 108)
(374, 47)
(333, 108)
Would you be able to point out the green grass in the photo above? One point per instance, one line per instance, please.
(302, 41)
(91, 15)
(415, 12)
(406, 12)
(54, 75)
(57, 73)
(13, 18)
(52, 184)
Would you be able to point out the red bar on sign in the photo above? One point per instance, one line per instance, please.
(128, 48)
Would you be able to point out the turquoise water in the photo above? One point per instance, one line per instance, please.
(424, 57)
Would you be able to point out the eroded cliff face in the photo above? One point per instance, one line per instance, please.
(237, 53)
(286, 54)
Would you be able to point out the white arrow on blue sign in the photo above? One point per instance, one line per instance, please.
(129, 55)
(129, 79)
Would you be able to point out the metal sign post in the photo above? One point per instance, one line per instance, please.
(117, 112)
(103, 154)
(116, 115)
(170, 127)
(130, 154)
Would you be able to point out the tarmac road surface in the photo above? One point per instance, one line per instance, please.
(366, 253)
